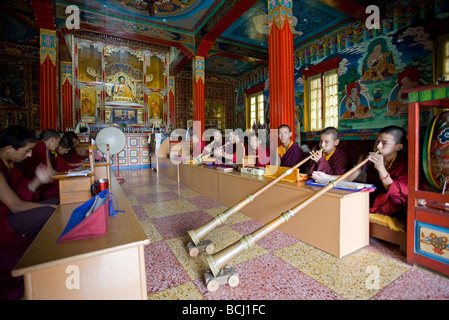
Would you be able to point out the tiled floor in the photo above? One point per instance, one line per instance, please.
(278, 267)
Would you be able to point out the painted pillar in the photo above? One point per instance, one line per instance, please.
(171, 100)
(66, 95)
(280, 64)
(199, 94)
(48, 106)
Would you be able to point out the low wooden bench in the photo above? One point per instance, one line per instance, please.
(109, 267)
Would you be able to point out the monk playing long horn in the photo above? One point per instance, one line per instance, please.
(199, 233)
(218, 261)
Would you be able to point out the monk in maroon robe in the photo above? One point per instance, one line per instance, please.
(257, 149)
(387, 171)
(289, 152)
(48, 141)
(57, 157)
(20, 214)
(20, 218)
(331, 159)
(72, 156)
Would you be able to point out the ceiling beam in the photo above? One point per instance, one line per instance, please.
(349, 7)
(44, 14)
(223, 23)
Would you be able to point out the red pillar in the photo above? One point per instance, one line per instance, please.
(67, 98)
(281, 68)
(199, 99)
(48, 106)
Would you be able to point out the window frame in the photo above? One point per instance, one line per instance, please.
(311, 73)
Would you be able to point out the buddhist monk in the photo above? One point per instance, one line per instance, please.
(387, 171)
(331, 159)
(21, 217)
(289, 152)
(48, 141)
(57, 157)
(257, 149)
(197, 145)
(20, 213)
(235, 148)
(215, 147)
(72, 156)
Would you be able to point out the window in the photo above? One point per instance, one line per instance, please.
(256, 110)
(321, 92)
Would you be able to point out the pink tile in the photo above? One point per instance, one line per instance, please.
(269, 278)
(203, 202)
(177, 225)
(140, 212)
(416, 284)
(273, 241)
(162, 269)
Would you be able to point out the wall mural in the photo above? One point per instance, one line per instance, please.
(372, 76)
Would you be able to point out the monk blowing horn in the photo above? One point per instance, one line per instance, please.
(199, 233)
(218, 260)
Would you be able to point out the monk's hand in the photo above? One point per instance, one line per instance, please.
(44, 173)
(377, 160)
(317, 155)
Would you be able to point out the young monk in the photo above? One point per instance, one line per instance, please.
(331, 159)
(197, 145)
(215, 147)
(48, 141)
(57, 157)
(72, 156)
(387, 171)
(20, 214)
(289, 152)
(257, 149)
(235, 149)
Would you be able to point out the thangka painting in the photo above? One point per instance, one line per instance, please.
(372, 76)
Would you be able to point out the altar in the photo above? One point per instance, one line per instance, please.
(119, 85)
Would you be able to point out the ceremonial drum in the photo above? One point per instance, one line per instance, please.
(436, 151)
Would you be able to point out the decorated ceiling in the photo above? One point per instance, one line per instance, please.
(237, 29)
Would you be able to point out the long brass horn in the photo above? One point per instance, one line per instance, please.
(199, 233)
(218, 260)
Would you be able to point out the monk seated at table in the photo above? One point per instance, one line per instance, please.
(72, 156)
(57, 157)
(21, 217)
(388, 172)
(331, 159)
(48, 141)
(256, 148)
(235, 149)
(289, 152)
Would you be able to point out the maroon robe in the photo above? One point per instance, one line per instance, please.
(39, 155)
(394, 201)
(263, 154)
(293, 156)
(337, 164)
(59, 163)
(19, 184)
(28, 166)
(73, 156)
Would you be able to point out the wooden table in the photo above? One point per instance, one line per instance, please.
(110, 267)
(337, 222)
